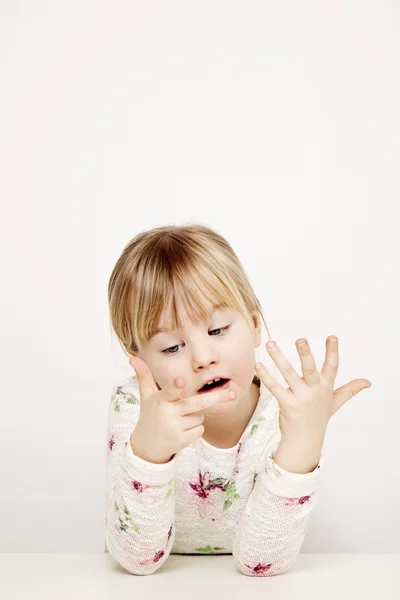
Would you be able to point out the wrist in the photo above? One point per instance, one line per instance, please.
(304, 442)
(141, 452)
(298, 456)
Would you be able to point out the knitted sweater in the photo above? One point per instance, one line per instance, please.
(206, 500)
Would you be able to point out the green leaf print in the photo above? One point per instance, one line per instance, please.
(209, 549)
(275, 470)
(229, 501)
(230, 489)
(128, 524)
(132, 400)
(216, 481)
(227, 504)
(123, 526)
(168, 494)
(256, 424)
(122, 396)
(231, 495)
(114, 400)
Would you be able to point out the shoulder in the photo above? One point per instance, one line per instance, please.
(125, 394)
(126, 386)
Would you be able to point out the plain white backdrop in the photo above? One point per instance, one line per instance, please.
(277, 124)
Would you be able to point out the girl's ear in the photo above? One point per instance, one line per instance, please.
(257, 329)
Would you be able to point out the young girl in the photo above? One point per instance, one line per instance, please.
(192, 471)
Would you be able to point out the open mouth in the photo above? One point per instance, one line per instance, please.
(222, 383)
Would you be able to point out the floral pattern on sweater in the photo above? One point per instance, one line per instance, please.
(206, 500)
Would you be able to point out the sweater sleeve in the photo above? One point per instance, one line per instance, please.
(140, 500)
(269, 534)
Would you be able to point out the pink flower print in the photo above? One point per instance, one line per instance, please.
(239, 447)
(210, 506)
(139, 487)
(158, 556)
(304, 499)
(260, 569)
(209, 502)
(301, 500)
(202, 488)
(111, 443)
(169, 533)
(154, 559)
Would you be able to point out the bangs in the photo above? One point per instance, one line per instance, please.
(196, 297)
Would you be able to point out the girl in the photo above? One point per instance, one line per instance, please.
(191, 470)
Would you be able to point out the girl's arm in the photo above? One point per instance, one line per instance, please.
(268, 536)
(139, 526)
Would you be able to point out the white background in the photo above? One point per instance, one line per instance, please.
(275, 123)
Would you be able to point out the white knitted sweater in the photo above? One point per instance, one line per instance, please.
(206, 500)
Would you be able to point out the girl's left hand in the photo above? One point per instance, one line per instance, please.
(308, 404)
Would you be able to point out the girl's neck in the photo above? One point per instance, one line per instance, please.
(226, 434)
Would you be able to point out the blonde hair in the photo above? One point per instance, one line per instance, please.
(169, 267)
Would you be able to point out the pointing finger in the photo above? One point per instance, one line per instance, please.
(173, 390)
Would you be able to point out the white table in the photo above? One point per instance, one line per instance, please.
(99, 577)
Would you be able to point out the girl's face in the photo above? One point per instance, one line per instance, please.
(222, 347)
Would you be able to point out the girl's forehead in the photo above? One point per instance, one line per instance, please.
(165, 326)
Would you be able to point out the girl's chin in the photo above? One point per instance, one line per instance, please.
(219, 409)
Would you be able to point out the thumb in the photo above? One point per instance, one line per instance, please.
(139, 366)
(144, 376)
(345, 392)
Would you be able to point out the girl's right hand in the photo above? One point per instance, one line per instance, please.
(167, 422)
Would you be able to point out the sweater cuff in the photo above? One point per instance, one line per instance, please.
(287, 484)
(146, 472)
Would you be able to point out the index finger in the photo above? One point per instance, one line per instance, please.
(173, 390)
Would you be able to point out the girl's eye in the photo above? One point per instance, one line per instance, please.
(172, 347)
